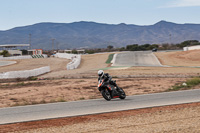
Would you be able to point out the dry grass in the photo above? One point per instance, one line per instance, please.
(181, 58)
(156, 71)
(48, 91)
(167, 119)
(56, 64)
(89, 65)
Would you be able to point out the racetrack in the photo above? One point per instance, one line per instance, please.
(67, 109)
(137, 58)
(26, 111)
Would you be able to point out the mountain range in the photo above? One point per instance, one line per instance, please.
(98, 35)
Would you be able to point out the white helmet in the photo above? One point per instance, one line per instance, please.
(100, 72)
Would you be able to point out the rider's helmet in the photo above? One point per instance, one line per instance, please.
(100, 73)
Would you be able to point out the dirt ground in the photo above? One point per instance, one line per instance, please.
(89, 65)
(63, 85)
(181, 58)
(56, 64)
(183, 118)
(155, 71)
(183, 63)
(79, 84)
(60, 90)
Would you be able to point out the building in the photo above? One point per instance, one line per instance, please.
(68, 51)
(81, 51)
(13, 49)
(13, 52)
(191, 48)
(13, 46)
(35, 52)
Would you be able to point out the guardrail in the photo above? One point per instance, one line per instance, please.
(25, 73)
(76, 60)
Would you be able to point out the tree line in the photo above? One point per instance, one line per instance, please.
(144, 47)
(166, 46)
(131, 47)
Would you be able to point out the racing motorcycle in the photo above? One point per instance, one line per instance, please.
(109, 91)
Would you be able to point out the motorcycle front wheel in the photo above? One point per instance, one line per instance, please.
(106, 95)
(123, 95)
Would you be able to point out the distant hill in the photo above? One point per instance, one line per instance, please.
(98, 35)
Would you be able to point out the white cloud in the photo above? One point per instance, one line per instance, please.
(183, 3)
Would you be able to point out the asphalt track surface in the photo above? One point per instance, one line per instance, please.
(85, 107)
(138, 58)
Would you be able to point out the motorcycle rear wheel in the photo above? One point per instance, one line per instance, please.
(106, 95)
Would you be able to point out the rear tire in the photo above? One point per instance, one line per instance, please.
(106, 95)
(123, 95)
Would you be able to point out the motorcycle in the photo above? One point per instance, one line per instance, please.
(109, 91)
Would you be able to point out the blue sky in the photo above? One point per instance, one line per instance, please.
(14, 13)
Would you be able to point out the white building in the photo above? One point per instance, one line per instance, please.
(35, 52)
(191, 48)
(13, 46)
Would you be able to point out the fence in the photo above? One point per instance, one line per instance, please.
(24, 74)
(39, 56)
(76, 60)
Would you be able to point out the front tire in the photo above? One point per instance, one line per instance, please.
(106, 95)
(123, 95)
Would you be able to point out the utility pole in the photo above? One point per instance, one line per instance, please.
(57, 45)
(52, 44)
(30, 41)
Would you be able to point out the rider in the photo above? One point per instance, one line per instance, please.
(106, 78)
